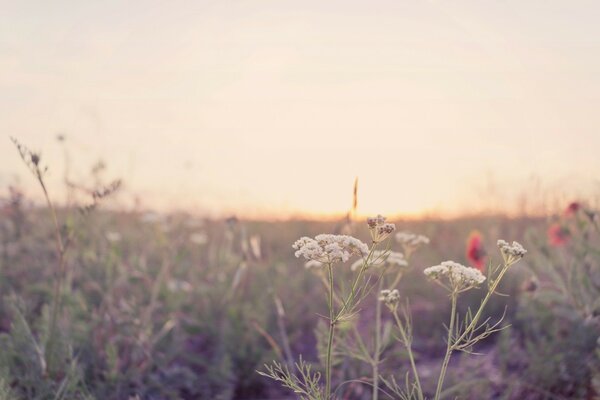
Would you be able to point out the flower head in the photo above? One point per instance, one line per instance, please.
(389, 259)
(558, 234)
(329, 249)
(411, 241)
(391, 298)
(572, 208)
(379, 229)
(511, 252)
(455, 276)
(476, 253)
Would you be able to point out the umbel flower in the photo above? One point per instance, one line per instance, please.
(391, 298)
(455, 276)
(411, 241)
(511, 252)
(388, 259)
(329, 249)
(476, 253)
(379, 229)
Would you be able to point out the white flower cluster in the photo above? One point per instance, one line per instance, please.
(459, 276)
(390, 297)
(379, 229)
(380, 258)
(515, 249)
(330, 249)
(410, 239)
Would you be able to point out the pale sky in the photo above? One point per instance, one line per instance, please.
(274, 107)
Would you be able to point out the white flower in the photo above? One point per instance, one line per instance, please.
(459, 276)
(176, 285)
(411, 240)
(199, 238)
(113, 237)
(329, 249)
(380, 258)
(390, 297)
(511, 250)
(379, 229)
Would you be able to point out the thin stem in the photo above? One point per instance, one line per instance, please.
(331, 333)
(475, 319)
(377, 354)
(408, 345)
(449, 348)
(355, 283)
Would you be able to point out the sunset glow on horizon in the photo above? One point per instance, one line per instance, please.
(274, 108)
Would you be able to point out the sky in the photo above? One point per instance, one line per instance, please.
(273, 108)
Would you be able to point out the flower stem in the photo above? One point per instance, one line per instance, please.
(377, 354)
(489, 294)
(408, 345)
(331, 333)
(449, 349)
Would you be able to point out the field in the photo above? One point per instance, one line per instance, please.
(138, 305)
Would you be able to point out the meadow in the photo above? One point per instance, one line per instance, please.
(100, 304)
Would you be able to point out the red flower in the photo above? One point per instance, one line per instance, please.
(572, 208)
(476, 254)
(558, 235)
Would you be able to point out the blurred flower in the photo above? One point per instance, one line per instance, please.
(329, 249)
(390, 259)
(476, 253)
(530, 285)
(558, 234)
(177, 285)
(457, 275)
(572, 208)
(199, 238)
(113, 237)
(391, 298)
(152, 217)
(411, 241)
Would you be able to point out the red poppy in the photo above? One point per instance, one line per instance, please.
(476, 253)
(572, 208)
(558, 234)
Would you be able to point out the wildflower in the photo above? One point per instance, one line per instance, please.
(458, 276)
(476, 253)
(177, 285)
(329, 249)
(391, 298)
(113, 237)
(411, 241)
(379, 229)
(391, 259)
(572, 208)
(530, 285)
(511, 252)
(199, 238)
(558, 234)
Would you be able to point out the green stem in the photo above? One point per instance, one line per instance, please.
(331, 333)
(489, 294)
(408, 345)
(376, 355)
(449, 349)
(355, 283)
